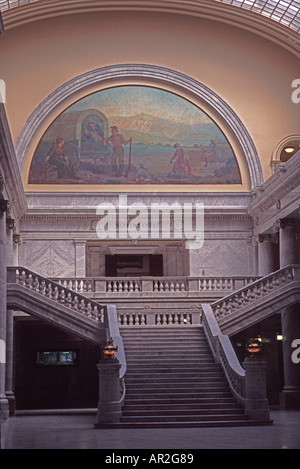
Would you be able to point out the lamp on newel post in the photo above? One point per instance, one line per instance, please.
(254, 347)
(256, 402)
(109, 405)
(109, 350)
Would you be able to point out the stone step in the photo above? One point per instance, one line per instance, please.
(182, 412)
(221, 422)
(160, 365)
(173, 374)
(172, 346)
(183, 418)
(174, 382)
(148, 387)
(181, 401)
(169, 394)
(178, 406)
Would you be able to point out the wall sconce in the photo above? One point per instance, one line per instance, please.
(279, 336)
(289, 149)
(109, 350)
(254, 347)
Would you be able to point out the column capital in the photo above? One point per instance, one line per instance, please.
(288, 222)
(4, 205)
(10, 223)
(17, 239)
(268, 237)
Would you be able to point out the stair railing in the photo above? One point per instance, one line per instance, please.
(55, 292)
(224, 353)
(259, 294)
(113, 332)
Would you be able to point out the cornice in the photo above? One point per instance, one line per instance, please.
(9, 169)
(207, 9)
(285, 179)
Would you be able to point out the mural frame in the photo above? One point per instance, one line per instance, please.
(129, 74)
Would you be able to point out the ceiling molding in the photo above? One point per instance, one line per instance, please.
(207, 9)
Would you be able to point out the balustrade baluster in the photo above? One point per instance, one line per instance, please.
(69, 300)
(49, 291)
(23, 279)
(82, 306)
(30, 282)
(62, 296)
(17, 276)
(216, 311)
(36, 284)
(43, 287)
(55, 293)
(88, 309)
(75, 303)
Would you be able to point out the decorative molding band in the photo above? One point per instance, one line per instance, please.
(206, 9)
(143, 72)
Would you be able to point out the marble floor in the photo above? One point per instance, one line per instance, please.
(69, 431)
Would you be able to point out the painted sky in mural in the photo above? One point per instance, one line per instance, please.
(133, 135)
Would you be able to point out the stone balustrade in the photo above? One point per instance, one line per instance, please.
(152, 318)
(259, 299)
(58, 293)
(154, 285)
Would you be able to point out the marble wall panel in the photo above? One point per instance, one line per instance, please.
(227, 257)
(50, 258)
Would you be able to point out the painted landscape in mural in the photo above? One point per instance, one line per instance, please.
(133, 135)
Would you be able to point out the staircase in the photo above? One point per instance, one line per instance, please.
(173, 381)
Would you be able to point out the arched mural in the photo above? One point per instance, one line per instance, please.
(133, 135)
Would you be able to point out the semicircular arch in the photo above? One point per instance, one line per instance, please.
(161, 75)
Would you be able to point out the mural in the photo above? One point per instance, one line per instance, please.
(133, 135)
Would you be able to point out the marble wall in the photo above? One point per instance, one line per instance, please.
(59, 236)
(50, 258)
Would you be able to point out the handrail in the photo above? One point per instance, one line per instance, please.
(113, 332)
(224, 353)
(56, 292)
(247, 295)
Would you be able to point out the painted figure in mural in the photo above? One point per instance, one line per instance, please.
(117, 140)
(181, 166)
(58, 158)
(92, 132)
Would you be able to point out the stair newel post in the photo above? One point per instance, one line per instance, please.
(109, 405)
(256, 403)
